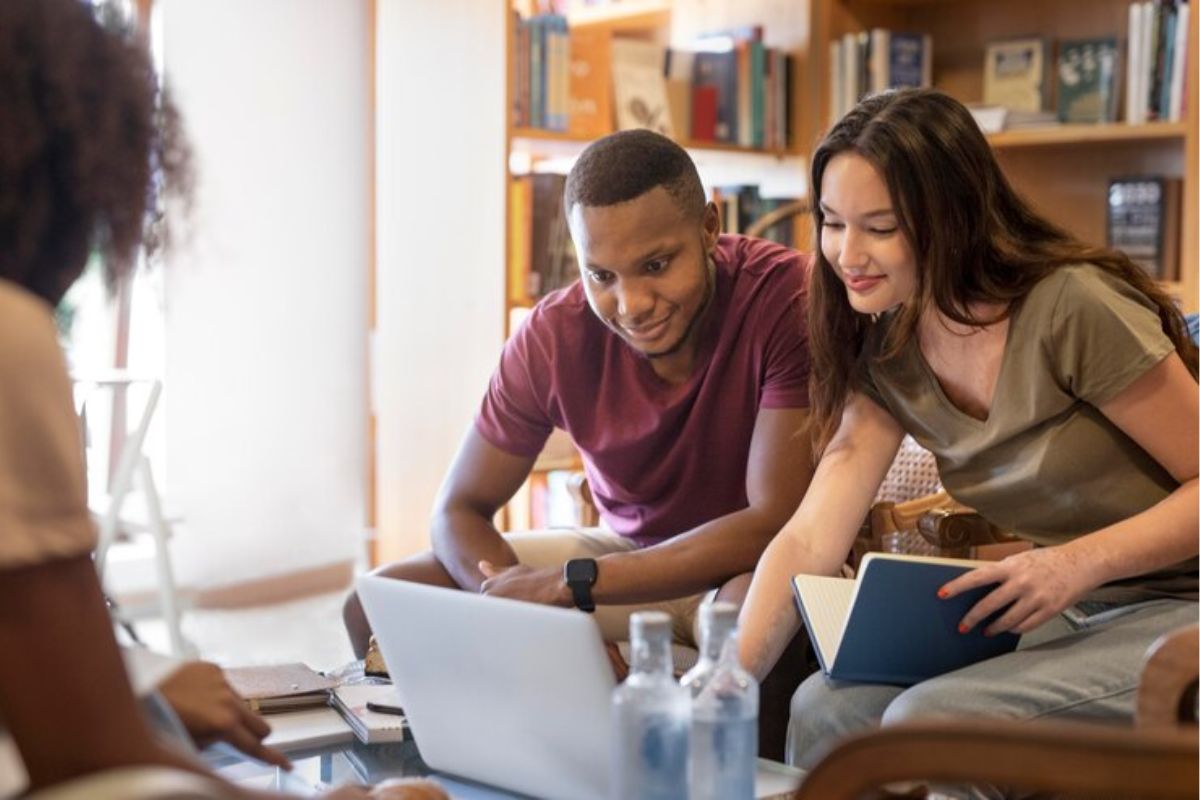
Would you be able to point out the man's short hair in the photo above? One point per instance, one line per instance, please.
(626, 165)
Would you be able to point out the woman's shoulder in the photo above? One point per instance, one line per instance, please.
(28, 335)
(1072, 286)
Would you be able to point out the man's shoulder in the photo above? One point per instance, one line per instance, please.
(762, 258)
(560, 321)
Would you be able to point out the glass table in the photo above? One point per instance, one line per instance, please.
(355, 762)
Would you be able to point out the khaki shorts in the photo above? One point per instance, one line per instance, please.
(554, 547)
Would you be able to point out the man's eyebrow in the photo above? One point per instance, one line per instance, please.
(658, 251)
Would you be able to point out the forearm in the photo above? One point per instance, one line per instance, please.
(692, 562)
(63, 691)
(1161, 536)
(768, 618)
(462, 537)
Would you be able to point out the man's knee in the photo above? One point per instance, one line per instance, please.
(423, 568)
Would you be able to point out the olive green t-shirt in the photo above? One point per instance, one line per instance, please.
(1046, 464)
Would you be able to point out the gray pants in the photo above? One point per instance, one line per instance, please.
(1056, 672)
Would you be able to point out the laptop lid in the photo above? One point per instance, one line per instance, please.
(507, 693)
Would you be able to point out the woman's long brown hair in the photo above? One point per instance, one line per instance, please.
(975, 240)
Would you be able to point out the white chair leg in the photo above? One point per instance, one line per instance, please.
(160, 529)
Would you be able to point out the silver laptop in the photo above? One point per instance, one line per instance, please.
(511, 694)
(515, 695)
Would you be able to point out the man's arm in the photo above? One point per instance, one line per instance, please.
(777, 474)
(482, 478)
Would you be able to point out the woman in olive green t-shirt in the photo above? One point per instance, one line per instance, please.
(1054, 382)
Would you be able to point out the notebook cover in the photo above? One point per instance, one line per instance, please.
(900, 632)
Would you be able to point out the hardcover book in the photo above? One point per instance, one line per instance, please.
(1014, 74)
(1087, 80)
(590, 93)
(639, 86)
(280, 688)
(888, 625)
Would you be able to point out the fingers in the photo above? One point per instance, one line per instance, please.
(249, 744)
(619, 667)
(488, 569)
(409, 789)
(971, 579)
(993, 601)
(252, 722)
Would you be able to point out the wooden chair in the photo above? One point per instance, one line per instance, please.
(1155, 759)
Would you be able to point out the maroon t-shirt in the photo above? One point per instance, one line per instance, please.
(660, 459)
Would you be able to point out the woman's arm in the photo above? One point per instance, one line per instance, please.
(1159, 411)
(819, 535)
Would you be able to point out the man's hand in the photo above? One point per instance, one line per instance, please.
(1034, 585)
(545, 586)
(619, 667)
(212, 711)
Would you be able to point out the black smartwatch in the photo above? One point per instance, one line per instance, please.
(580, 575)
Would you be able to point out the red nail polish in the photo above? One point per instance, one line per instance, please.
(942, 593)
(962, 628)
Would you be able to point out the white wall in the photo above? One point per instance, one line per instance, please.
(440, 147)
(266, 317)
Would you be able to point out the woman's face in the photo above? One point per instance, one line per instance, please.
(861, 238)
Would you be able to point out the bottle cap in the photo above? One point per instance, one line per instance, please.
(649, 625)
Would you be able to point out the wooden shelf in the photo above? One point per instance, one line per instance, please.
(649, 15)
(1089, 134)
(540, 135)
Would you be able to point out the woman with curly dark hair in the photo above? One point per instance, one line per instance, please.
(1054, 382)
(86, 146)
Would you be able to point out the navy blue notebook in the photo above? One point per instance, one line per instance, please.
(889, 626)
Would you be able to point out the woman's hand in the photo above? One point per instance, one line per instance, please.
(402, 789)
(212, 711)
(1034, 586)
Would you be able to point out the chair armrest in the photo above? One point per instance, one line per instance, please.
(586, 515)
(1167, 690)
(1074, 760)
(959, 529)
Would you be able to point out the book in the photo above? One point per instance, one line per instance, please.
(1014, 74)
(889, 626)
(1143, 222)
(355, 704)
(590, 87)
(281, 687)
(1087, 80)
(639, 86)
(714, 86)
(307, 729)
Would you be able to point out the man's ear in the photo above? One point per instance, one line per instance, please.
(711, 226)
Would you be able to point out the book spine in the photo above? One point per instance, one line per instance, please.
(745, 129)
(1168, 62)
(757, 94)
(1179, 67)
(1131, 63)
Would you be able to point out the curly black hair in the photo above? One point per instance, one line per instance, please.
(87, 144)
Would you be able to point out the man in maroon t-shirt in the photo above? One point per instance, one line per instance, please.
(678, 364)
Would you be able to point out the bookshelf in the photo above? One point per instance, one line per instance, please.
(1063, 170)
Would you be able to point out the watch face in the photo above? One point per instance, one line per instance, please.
(581, 570)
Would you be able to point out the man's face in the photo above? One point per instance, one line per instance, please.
(645, 269)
